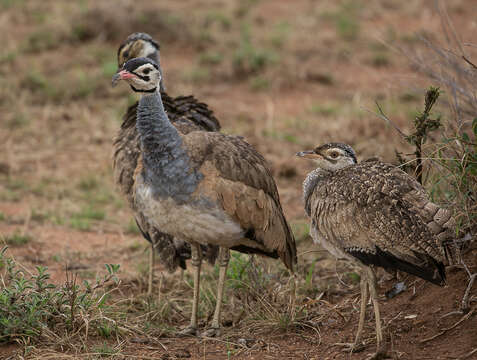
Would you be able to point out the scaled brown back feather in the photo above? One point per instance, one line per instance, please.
(242, 182)
(375, 207)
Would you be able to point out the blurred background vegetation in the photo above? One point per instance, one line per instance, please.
(287, 77)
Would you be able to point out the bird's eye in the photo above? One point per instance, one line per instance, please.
(334, 155)
(126, 54)
(146, 71)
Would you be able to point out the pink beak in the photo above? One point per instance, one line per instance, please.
(122, 75)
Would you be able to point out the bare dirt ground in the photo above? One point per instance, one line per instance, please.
(286, 77)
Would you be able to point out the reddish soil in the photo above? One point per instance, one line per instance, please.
(54, 138)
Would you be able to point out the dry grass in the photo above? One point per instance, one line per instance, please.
(286, 79)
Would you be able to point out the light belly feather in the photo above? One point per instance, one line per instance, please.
(206, 226)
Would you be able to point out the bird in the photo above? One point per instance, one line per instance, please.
(204, 187)
(375, 215)
(187, 114)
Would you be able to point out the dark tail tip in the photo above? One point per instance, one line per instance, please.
(431, 270)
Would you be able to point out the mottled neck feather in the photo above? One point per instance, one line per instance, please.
(166, 164)
(311, 181)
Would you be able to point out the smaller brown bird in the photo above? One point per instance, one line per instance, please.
(374, 214)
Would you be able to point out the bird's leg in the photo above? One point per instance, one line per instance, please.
(292, 285)
(358, 346)
(374, 297)
(224, 257)
(362, 313)
(181, 276)
(196, 257)
(151, 269)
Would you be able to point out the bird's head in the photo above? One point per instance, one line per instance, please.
(142, 74)
(138, 45)
(332, 156)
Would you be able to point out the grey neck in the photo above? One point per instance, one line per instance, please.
(166, 165)
(311, 181)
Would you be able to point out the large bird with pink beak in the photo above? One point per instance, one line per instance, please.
(204, 187)
(187, 114)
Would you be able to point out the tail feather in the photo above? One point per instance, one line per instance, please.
(430, 270)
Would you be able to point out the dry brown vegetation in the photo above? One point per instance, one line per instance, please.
(285, 77)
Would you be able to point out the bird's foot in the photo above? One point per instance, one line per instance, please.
(352, 347)
(188, 331)
(211, 332)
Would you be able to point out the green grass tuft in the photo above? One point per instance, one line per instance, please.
(17, 239)
(327, 110)
(248, 58)
(80, 224)
(132, 228)
(211, 58)
(30, 305)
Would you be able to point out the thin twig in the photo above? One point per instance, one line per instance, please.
(465, 299)
(443, 331)
(468, 355)
(382, 116)
(469, 62)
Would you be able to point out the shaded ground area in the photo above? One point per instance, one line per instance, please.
(285, 77)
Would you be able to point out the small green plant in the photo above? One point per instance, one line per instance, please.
(109, 68)
(309, 275)
(18, 120)
(132, 228)
(423, 126)
(91, 213)
(2, 216)
(196, 75)
(82, 219)
(104, 350)
(237, 270)
(16, 184)
(84, 86)
(80, 224)
(135, 246)
(17, 239)
(380, 59)
(249, 59)
(32, 308)
(6, 4)
(327, 110)
(259, 83)
(42, 40)
(346, 21)
(37, 83)
(8, 57)
(301, 231)
(280, 34)
(354, 277)
(211, 58)
(220, 18)
(56, 258)
(39, 216)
